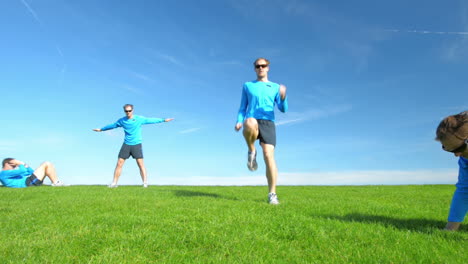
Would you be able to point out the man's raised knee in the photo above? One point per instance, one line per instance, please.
(47, 163)
(250, 123)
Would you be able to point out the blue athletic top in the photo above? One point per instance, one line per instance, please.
(463, 173)
(15, 178)
(259, 99)
(132, 127)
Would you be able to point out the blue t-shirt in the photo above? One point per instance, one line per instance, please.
(258, 101)
(132, 127)
(462, 174)
(15, 178)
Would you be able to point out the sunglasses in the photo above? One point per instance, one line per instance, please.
(128, 111)
(460, 149)
(258, 66)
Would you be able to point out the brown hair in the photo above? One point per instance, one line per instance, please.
(5, 161)
(456, 125)
(267, 61)
(127, 105)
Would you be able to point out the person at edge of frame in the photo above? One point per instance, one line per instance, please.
(452, 133)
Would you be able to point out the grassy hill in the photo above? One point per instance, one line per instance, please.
(184, 224)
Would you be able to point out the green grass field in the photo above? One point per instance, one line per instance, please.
(182, 224)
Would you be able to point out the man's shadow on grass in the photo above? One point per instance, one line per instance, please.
(413, 224)
(187, 193)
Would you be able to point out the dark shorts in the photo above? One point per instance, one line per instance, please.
(266, 132)
(32, 180)
(135, 151)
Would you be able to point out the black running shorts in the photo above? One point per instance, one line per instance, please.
(266, 132)
(135, 151)
(32, 180)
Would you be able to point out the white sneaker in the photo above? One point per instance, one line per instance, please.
(59, 184)
(112, 185)
(252, 161)
(273, 198)
(145, 185)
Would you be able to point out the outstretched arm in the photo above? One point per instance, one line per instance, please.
(156, 120)
(108, 127)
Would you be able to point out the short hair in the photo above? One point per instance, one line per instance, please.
(456, 125)
(267, 61)
(127, 105)
(5, 161)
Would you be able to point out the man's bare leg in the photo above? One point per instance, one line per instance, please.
(118, 171)
(141, 165)
(250, 133)
(46, 169)
(270, 163)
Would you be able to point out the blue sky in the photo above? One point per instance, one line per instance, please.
(368, 82)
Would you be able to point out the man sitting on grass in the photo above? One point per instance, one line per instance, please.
(452, 133)
(17, 174)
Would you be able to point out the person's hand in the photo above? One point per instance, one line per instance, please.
(18, 162)
(15, 163)
(168, 119)
(238, 126)
(282, 91)
(97, 130)
(12, 165)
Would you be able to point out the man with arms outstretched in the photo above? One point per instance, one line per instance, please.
(131, 125)
(256, 114)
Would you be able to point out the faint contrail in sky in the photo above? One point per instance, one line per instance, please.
(191, 130)
(59, 50)
(429, 32)
(33, 13)
(57, 47)
(36, 17)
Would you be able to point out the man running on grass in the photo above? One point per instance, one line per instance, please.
(131, 125)
(256, 114)
(17, 174)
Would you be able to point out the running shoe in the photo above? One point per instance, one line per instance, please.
(273, 198)
(59, 184)
(252, 161)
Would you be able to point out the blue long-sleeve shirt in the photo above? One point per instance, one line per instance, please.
(132, 127)
(15, 178)
(258, 101)
(463, 174)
